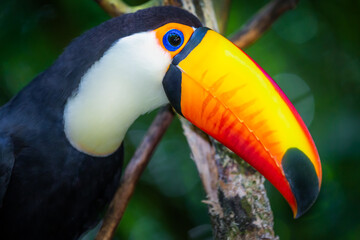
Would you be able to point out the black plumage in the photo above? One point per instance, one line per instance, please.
(49, 190)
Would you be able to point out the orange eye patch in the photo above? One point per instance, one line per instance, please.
(163, 30)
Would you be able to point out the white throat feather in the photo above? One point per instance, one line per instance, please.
(124, 84)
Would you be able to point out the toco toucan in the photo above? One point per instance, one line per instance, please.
(61, 137)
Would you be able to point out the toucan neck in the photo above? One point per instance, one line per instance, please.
(125, 83)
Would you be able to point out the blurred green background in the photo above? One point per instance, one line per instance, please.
(312, 52)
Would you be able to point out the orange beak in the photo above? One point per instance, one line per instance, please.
(221, 90)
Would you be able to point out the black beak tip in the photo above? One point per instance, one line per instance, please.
(302, 177)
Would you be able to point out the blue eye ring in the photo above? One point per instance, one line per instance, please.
(173, 40)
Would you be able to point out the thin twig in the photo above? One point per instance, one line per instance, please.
(133, 172)
(222, 9)
(118, 7)
(261, 22)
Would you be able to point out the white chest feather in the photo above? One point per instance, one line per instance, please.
(125, 83)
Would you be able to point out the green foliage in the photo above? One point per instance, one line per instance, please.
(314, 47)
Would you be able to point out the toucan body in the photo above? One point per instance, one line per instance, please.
(61, 137)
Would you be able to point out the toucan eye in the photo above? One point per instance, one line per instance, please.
(173, 40)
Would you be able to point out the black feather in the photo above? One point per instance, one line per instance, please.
(6, 164)
(56, 192)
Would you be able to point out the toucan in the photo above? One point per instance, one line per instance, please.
(61, 137)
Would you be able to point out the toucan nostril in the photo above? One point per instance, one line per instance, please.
(301, 175)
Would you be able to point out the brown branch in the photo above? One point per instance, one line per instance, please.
(117, 7)
(203, 154)
(261, 22)
(133, 172)
(222, 8)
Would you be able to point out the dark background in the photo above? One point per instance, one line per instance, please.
(312, 52)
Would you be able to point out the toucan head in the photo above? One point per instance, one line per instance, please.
(166, 56)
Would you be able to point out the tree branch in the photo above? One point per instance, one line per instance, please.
(133, 172)
(117, 7)
(222, 8)
(261, 22)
